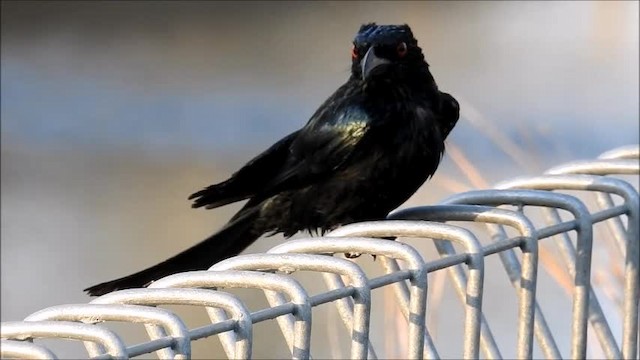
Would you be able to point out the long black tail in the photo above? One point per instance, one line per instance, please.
(229, 241)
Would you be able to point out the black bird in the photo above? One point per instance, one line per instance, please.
(363, 153)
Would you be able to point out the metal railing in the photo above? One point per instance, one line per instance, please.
(500, 211)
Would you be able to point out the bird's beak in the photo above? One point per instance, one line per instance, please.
(371, 61)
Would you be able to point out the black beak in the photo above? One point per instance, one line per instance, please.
(371, 61)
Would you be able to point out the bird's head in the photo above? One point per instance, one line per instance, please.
(386, 51)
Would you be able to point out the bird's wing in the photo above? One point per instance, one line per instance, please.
(248, 180)
(322, 145)
(326, 143)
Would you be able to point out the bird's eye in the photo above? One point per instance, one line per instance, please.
(402, 49)
(354, 52)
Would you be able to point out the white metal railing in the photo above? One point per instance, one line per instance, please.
(349, 286)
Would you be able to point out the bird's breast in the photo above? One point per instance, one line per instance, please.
(396, 156)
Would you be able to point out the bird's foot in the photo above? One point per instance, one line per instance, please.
(355, 255)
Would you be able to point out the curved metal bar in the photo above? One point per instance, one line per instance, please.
(582, 226)
(622, 152)
(243, 327)
(615, 224)
(604, 201)
(92, 313)
(413, 306)
(605, 167)
(513, 267)
(11, 349)
(597, 167)
(22, 330)
(294, 262)
(475, 262)
(632, 285)
(298, 341)
(528, 243)
(632, 258)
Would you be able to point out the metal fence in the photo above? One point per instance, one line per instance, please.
(515, 235)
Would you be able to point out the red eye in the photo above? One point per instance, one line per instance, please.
(354, 52)
(402, 49)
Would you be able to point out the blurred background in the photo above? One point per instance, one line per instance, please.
(114, 112)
